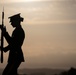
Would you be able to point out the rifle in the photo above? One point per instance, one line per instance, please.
(2, 39)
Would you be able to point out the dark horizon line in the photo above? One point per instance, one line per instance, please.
(42, 68)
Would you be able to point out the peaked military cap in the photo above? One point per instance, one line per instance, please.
(16, 17)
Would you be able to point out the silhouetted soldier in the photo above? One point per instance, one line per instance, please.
(14, 45)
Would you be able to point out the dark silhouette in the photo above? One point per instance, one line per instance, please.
(71, 71)
(14, 45)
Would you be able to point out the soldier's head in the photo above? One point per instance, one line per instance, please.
(16, 20)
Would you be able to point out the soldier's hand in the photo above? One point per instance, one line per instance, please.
(4, 30)
(4, 49)
(0, 26)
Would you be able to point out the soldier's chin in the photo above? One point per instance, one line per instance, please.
(14, 26)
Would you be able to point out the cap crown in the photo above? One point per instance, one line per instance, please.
(16, 18)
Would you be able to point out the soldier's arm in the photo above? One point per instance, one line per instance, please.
(7, 37)
(5, 49)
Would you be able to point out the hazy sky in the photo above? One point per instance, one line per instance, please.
(50, 28)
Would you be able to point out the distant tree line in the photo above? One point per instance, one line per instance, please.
(71, 71)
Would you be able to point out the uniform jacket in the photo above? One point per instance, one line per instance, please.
(15, 43)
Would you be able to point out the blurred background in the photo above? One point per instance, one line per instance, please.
(50, 28)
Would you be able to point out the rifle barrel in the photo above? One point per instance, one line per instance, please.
(2, 40)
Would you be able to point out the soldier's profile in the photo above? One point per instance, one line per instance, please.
(14, 45)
